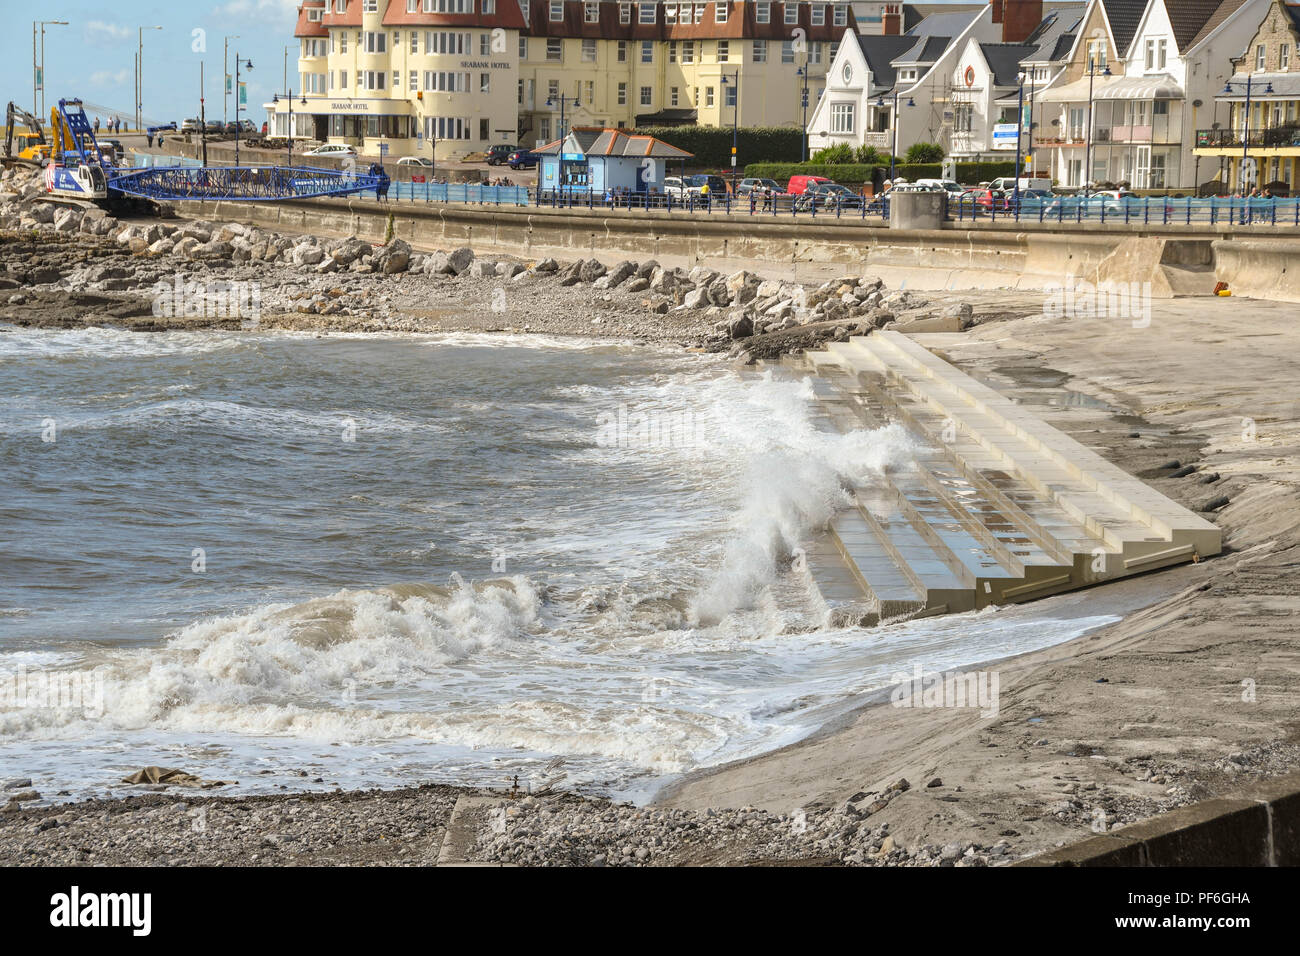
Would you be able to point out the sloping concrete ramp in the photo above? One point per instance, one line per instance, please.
(1001, 507)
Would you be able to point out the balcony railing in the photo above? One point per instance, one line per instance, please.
(1279, 137)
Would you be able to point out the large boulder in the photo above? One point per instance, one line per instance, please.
(547, 265)
(460, 259)
(591, 270)
(483, 269)
(619, 274)
(350, 250)
(393, 258)
(304, 254)
(572, 274)
(214, 250)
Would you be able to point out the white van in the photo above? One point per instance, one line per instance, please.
(1008, 184)
(949, 186)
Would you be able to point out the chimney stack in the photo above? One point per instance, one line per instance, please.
(1019, 18)
(892, 20)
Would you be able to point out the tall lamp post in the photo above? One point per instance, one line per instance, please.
(1245, 125)
(139, 76)
(247, 64)
(38, 73)
(1020, 133)
(571, 100)
(289, 126)
(803, 72)
(225, 76)
(733, 80)
(893, 119)
(1093, 73)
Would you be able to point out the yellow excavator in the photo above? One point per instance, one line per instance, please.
(27, 146)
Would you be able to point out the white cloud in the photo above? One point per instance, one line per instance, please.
(280, 12)
(109, 78)
(97, 31)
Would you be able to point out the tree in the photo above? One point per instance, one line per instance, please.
(925, 153)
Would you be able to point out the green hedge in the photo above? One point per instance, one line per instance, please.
(854, 174)
(712, 144)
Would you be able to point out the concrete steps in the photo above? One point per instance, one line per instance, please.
(1001, 507)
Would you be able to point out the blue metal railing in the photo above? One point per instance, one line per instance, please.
(253, 183)
(460, 192)
(1147, 210)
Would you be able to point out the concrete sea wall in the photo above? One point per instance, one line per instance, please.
(1175, 261)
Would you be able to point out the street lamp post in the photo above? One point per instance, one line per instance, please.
(38, 73)
(733, 80)
(1245, 125)
(1020, 132)
(289, 126)
(803, 71)
(1087, 152)
(893, 150)
(238, 63)
(225, 76)
(139, 77)
(550, 101)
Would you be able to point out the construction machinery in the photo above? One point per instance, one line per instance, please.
(27, 146)
(78, 169)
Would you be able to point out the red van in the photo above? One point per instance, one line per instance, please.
(799, 184)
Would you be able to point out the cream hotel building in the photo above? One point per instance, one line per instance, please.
(460, 75)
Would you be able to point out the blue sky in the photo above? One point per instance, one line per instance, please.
(94, 57)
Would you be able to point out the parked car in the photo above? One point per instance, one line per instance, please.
(191, 125)
(761, 186)
(987, 200)
(246, 127)
(675, 189)
(695, 184)
(828, 195)
(1007, 184)
(798, 184)
(522, 159)
(953, 188)
(332, 149)
(423, 161)
(499, 153)
(213, 127)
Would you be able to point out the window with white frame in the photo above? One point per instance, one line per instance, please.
(372, 79)
(1260, 58)
(622, 51)
(557, 11)
(647, 51)
(842, 115)
(343, 79)
(523, 48)
(448, 6)
(674, 96)
(484, 44)
(729, 95)
(817, 49)
(554, 46)
(375, 42)
(340, 6)
(415, 41)
(708, 96)
(787, 51)
(588, 50)
(646, 12)
(591, 12)
(446, 81)
(759, 51)
(1284, 57)
(724, 50)
(670, 14)
(488, 6)
(622, 94)
(672, 51)
(625, 13)
(791, 13)
(763, 12)
(485, 82)
(413, 81)
(343, 41)
(688, 51)
(720, 12)
(647, 96)
(370, 6)
(841, 15)
(818, 14)
(699, 12)
(441, 42)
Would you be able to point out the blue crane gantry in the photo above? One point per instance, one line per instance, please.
(76, 148)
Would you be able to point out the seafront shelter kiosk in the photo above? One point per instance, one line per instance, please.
(603, 160)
